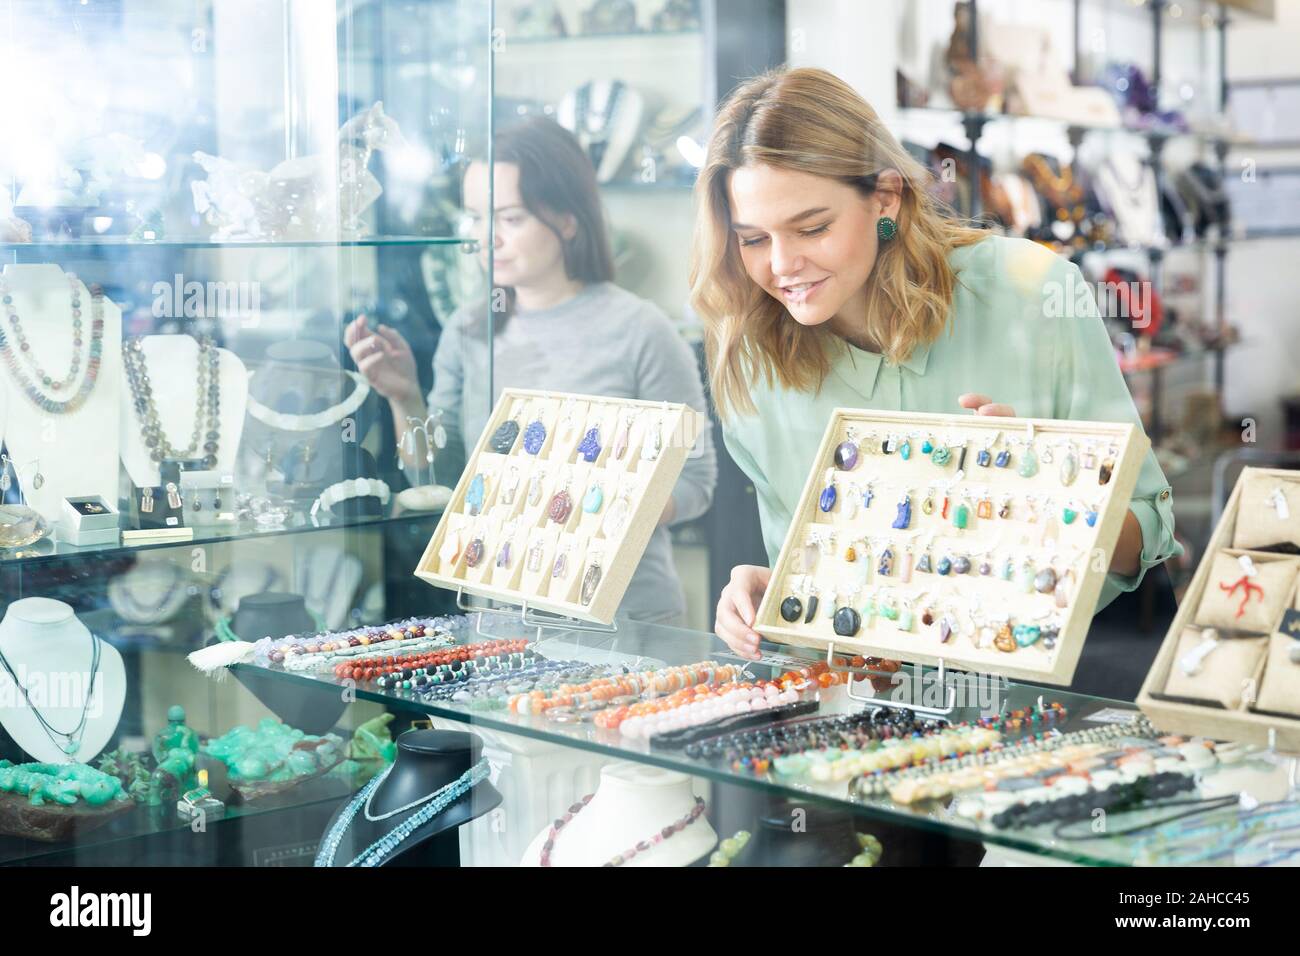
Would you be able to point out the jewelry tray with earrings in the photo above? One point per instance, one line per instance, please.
(558, 501)
(981, 542)
(1229, 668)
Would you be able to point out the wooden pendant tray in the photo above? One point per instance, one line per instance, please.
(922, 644)
(648, 483)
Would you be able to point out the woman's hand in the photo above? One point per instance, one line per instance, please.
(983, 405)
(736, 608)
(385, 359)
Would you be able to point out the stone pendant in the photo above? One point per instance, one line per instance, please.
(592, 501)
(827, 500)
(1107, 469)
(560, 507)
(847, 622)
(534, 437)
(812, 609)
(923, 563)
(474, 553)
(886, 566)
(589, 447)
(503, 439)
(791, 608)
(961, 517)
(1045, 581)
(846, 456)
(1091, 517)
(1069, 468)
(904, 516)
(905, 567)
(590, 581)
(1003, 459)
(475, 494)
(1026, 634)
(983, 458)
(1028, 463)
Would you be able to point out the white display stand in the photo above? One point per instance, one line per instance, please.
(172, 362)
(77, 451)
(39, 636)
(632, 803)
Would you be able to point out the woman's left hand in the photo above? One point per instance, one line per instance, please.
(983, 405)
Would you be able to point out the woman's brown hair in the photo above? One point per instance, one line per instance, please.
(556, 179)
(811, 121)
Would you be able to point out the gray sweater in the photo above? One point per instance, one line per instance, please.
(604, 341)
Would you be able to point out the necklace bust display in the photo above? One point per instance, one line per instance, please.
(406, 815)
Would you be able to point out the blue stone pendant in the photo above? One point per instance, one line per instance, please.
(1003, 459)
(592, 501)
(886, 565)
(474, 495)
(941, 456)
(944, 566)
(927, 446)
(905, 450)
(827, 500)
(867, 496)
(1026, 634)
(589, 447)
(1091, 518)
(983, 458)
(904, 516)
(534, 437)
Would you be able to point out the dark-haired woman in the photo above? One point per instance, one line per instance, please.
(565, 327)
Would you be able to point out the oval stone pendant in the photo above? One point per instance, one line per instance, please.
(846, 455)
(791, 608)
(503, 439)
(1045, 580)
(593, 500)
(827, 500)
(560, 507)
(847, 622)
(474, 553)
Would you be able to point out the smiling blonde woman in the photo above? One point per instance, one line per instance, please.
(826, 276)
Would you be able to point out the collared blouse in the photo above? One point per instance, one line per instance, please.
(1023, 328)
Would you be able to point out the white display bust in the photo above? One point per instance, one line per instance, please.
(632, 803)
(51, 650)
(172, 363)
(77, 451)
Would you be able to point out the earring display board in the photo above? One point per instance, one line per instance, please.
(559, 499)
(1229, 668)
(981, 542)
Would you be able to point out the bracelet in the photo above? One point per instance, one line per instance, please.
(352, 488)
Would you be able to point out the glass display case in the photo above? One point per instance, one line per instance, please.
(261, 293)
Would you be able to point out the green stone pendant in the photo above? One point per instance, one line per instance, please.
(1029, 463)
(1068, 515)
(961, 517)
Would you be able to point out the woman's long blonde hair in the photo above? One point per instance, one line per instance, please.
(811, 121)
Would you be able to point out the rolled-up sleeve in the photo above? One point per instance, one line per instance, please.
(1091, 387)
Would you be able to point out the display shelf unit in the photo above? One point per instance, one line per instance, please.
(48, 550)
(1159, 13)
(657, 644)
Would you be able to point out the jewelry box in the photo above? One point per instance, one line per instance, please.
(558, 501)
(88, 520)
(1229, 668)
(979, 542)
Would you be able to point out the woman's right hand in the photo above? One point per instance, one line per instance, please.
(737, 606)
(385, 359)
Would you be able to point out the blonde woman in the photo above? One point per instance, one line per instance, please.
(826, 276)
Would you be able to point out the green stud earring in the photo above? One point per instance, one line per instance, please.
(886, 228)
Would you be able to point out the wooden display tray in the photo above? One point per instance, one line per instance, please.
(922, 645)
(649, 484)
(1205, 720)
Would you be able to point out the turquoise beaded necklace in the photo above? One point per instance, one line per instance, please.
(430, 807)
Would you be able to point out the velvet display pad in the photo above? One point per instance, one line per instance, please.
(1279, 691)
(1268, 515)
(1234, 602)
(1225, 675)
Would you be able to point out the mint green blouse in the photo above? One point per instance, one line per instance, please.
(1024, 329)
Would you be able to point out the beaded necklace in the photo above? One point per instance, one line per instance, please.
(31, 388)
(430, 807)
(207, 404)
(619, 859)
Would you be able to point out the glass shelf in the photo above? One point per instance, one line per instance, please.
(124, 243)
(954, 114)
(48, 549)
(647, 646)
(143, 821)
